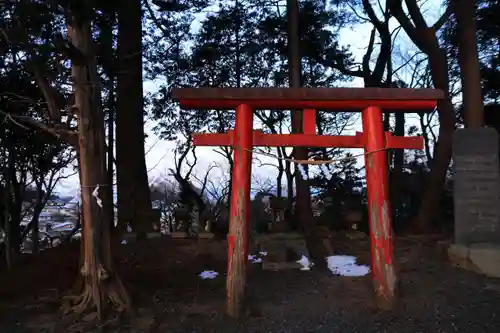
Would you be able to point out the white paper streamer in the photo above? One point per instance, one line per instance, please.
(95, 194)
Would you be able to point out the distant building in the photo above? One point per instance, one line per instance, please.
(55, 211)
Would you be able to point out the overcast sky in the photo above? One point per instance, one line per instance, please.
(160, 154)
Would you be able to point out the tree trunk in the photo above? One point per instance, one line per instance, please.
(387, 121)
(289, 192)
(425, 38)
(399, 154)
(15, 207)
(472, 94)
(431, 201)
(107, 40)
(78, 285)
(397, 171)
(7, 222)
(134, 202)
(426, 132)
(303, 197)
(101, 287)
(35, 232)
(279, 177)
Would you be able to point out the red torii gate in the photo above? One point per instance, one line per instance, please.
(370, 101)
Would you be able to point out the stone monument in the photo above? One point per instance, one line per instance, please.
(476, 186)
(476, 201)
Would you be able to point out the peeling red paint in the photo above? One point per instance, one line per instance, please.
(384, 277)
(240, 202)
(230, 245)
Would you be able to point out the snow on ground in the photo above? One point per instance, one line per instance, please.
(344, 265)
(208, 275)
(257, 258)
(305, 262)
(340, 265)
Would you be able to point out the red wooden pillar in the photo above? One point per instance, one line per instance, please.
(309, 121)
(384, 275)
(239, 209)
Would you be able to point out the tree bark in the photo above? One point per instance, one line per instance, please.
(7, 214)
(397, 170)
(35, 232)
(472, 94)
(431, 200)
(134, 198)
(101, 286)
(279, 177)
(16, 189)
(425, 38)
(303, 196)
(109, 51)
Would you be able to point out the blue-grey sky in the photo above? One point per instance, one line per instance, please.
(160, 154)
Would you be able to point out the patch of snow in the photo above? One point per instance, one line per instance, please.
(340, 260)
(355, 270)
(254, 258)
(346, 266)
(257, 258)
(208, 275)
(306, 263)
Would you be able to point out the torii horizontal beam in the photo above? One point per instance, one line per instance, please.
(326, 99)
(261, 139)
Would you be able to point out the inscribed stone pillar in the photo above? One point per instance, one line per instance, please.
(476, 186)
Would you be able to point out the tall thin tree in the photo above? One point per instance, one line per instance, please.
(134, 198)
(303, 195)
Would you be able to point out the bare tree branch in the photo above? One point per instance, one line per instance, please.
(49, 94)
(68, 136)
(397, 11)
(416, 14)
(444, 18)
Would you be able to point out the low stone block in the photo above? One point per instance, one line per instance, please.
(482, 258)
(283, 250)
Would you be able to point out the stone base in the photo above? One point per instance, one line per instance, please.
(183, 234)
(279, 266)
(149, 235)
(482, 258)
(180, 234)
(356, 235)
(283, 250)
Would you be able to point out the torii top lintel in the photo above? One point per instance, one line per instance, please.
(328, 99)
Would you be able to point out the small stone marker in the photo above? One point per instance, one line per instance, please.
(278, 246)
(476, 186)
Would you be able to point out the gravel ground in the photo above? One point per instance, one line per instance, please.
(435, 297)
